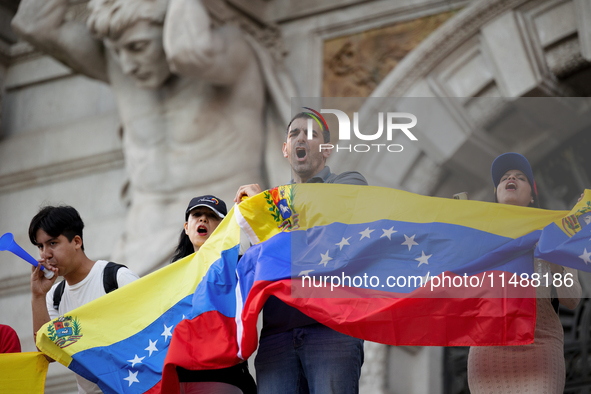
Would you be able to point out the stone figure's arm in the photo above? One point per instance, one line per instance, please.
(43, 24)
(194, 49)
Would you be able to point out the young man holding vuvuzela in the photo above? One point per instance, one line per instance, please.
(57, 232)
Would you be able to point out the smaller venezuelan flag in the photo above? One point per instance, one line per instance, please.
(23, 373)
(120, 340)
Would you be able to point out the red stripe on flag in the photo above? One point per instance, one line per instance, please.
(206, 342)
(455, 317)
(155, 389)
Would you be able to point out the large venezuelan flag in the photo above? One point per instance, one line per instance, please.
(388, 234)
(201, 313)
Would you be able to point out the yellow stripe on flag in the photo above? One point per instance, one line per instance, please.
(322, 204)
(22, 373)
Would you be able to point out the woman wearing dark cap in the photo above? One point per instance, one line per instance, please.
(538, 367)
(202, 217)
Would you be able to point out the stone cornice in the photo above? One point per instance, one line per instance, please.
(60, 171)
(15, 285)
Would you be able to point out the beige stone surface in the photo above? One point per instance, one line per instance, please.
(355, 64)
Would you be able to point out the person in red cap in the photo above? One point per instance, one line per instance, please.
(9, 342)
(538, 367)
(202, 217)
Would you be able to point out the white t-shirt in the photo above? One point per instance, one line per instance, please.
(88, 289)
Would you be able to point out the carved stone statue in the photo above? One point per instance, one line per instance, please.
(191, 99)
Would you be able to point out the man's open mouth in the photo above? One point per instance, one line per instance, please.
(300, 153)
(511, 186)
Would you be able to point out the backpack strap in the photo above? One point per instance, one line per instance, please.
(58, 293)
(110, 276)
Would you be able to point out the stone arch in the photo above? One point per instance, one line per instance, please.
(472, 69)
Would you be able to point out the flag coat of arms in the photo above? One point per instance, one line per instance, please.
(423, 271)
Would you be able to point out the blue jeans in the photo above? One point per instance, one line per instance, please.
(312, 359)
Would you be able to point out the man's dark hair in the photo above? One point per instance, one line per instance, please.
(55, 221)
(307, 115)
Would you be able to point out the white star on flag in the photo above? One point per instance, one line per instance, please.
(409, 241)
(136, 360)
(325, 258)
(305, 272)
(166, 333)
(423, 259)
(388, 233)
(344, 241)
(586, 256)
(132, 378)
(152, 347)
(365, 233)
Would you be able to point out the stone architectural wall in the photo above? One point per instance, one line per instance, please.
(60, 132)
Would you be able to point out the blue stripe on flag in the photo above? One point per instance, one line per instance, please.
(557, 247)
(387, 247)
(216, 291)
(127, 366)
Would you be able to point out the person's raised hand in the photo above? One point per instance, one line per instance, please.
(247, 191)
(40, 285)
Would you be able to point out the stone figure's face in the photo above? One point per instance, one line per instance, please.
(200, 225)
(58, 252)
(140, 52)
(303, 154)
(514, 189)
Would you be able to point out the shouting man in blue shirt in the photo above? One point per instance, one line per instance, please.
(296, 353)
